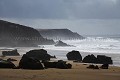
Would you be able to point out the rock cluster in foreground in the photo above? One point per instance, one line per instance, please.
(40, 59)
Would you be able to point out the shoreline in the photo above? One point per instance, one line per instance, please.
(78, 71)
(61, 54)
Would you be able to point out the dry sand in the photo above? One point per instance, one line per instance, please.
(78, 72)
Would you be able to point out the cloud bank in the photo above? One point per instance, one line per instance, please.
(60, 9)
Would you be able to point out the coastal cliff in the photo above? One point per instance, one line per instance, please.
(59, 34)
(16, 35)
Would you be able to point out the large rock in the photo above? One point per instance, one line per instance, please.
(29, 63)
(90, 59)
(74, 55)
(102, 59)
(6, 64)
(60, 43)
(10, 53)
(39, 54)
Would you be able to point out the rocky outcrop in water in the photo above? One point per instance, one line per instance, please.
(60, 43)
(10, 53)
(59, 34)
(12, 34)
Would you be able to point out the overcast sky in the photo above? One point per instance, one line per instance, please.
(82, 16)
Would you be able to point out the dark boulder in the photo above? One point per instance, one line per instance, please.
(74, 55)
(40, 54)
(6, 64)
(27, 62)
(102, 59)
(10, 53)
(90, 59)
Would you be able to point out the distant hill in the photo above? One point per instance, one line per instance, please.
(59, 34)
(12, 34)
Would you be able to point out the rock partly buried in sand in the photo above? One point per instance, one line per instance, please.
(93, 67)
(102, 59)
(6, 64)
(50, 64)
(10, 59)
(74, 55)
(39, 54)
(60, 43)
(60, 64)
(10, 53)
(104, 66)
(27, 62)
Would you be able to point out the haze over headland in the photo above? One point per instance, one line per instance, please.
(82, 16)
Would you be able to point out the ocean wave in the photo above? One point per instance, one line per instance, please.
(96, 44)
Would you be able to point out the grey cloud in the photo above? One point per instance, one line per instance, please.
(32, 9)
(60, 9)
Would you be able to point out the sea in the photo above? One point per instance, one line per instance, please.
(97, 45)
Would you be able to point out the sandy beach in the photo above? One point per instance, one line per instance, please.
(78, 72)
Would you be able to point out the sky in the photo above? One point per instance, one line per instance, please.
(82, 16)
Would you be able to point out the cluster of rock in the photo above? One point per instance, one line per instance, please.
(40, 59)
(104, 66)
(100, 59)
(35, 59)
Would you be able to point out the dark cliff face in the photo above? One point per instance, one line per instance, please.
(59, 34)
(12, 34)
